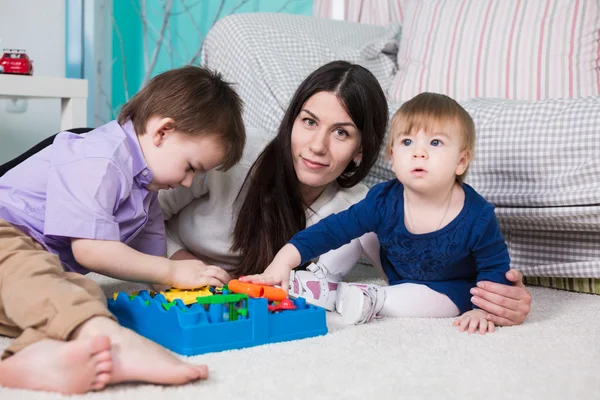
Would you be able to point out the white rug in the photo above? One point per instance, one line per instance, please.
(554, 355)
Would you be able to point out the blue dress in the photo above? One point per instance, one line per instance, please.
(451, 261)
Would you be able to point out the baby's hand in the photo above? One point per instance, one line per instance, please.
(275, 274)
(472, 320)
(278, 272)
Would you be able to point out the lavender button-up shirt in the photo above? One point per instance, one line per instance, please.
(90, 186)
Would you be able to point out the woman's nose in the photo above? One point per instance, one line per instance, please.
(318, 143)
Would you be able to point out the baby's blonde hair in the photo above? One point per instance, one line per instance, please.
(426, 111)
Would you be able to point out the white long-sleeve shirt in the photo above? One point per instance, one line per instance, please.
(201, 218)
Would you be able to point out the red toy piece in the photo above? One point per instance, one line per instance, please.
(286, 304)
(15, 61)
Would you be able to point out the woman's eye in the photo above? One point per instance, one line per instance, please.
(436, 142)
(407, 142)
(341, 133)
(309, 121)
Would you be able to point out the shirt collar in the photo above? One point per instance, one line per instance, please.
(141, 173)
(325, 197)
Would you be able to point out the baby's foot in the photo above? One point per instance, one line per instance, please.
(71, 367)
(358, 303)
(137, 359)
(316, 285)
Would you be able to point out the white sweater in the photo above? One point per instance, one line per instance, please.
(200, 219)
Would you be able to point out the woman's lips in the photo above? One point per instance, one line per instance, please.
(312, 164)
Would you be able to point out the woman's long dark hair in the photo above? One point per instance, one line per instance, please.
(271, 209)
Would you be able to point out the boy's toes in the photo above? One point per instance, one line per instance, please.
(101, 381)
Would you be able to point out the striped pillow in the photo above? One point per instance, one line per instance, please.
(513, 49)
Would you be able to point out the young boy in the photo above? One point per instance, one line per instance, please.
(89, 203)
(438, 236)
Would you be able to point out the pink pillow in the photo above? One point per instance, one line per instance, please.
(517, 49)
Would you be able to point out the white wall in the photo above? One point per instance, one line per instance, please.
(37, 26)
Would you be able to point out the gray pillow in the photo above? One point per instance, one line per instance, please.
(538, 162)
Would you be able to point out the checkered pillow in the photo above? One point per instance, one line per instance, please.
(526, 49)
(538, 162)
(268, 55)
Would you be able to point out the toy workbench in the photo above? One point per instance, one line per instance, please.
(215, 321)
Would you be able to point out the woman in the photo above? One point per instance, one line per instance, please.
(327, 142)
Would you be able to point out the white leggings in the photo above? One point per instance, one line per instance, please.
(414, 300)
(340, 261)
(404, 300)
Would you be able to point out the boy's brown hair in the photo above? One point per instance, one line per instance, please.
(199, 101)
(427, 111)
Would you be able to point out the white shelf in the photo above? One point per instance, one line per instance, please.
(72, 92)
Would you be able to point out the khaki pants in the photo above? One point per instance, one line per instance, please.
(38, 299)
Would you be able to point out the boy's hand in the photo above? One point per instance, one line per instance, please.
(278, 272)
(472, 320)
(191, 274)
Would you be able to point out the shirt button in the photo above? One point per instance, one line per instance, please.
(145, 172)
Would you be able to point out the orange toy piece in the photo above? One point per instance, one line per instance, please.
(257, 291)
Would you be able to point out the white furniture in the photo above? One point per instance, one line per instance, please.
(72, 92)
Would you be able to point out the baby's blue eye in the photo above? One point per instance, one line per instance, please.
(407, 142)
(436, 142)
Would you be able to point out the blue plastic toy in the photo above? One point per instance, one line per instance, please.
(204, 328)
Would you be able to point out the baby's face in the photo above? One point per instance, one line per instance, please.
(426, 159)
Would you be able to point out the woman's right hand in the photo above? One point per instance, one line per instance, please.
(192, 274)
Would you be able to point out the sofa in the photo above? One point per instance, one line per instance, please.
(538, 121)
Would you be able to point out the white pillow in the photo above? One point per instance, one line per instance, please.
(524, 50)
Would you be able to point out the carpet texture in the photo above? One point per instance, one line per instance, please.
(554, 355)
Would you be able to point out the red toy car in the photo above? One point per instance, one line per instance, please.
(14, 61)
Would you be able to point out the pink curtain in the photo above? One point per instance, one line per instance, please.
(376, 12)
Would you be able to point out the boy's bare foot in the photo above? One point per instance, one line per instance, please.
(77, 366)
(137, 359)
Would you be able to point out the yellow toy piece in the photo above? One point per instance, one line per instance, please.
(188, 296)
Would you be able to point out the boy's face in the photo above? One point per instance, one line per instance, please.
(175, 158)
(427, 161)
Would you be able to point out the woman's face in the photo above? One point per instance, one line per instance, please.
(324, 141)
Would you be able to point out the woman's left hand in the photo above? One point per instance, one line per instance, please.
(506, 305)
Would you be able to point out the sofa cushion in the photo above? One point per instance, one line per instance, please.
(268, 55)
(538, 162)
(525, 50)
(581, 285)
